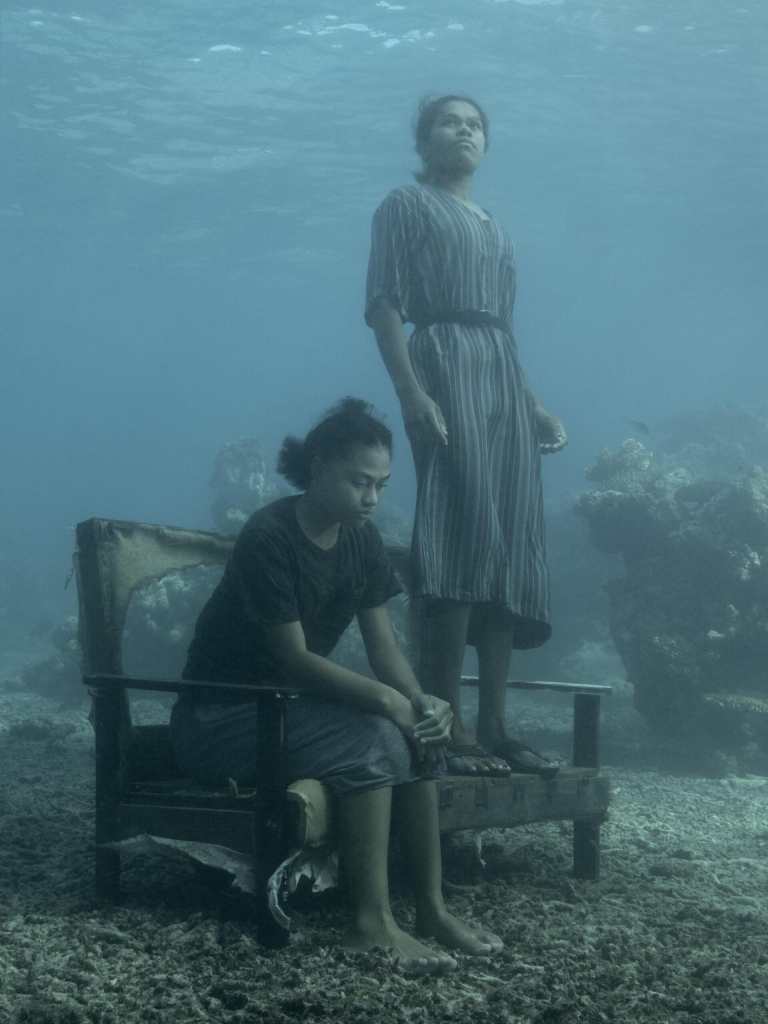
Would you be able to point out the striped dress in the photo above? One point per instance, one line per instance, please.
(479, 524)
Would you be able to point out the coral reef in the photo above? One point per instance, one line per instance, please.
(579, 577)
(161, 620)
(690, 616)
(240, 476)
(58, 676)
(715, 442)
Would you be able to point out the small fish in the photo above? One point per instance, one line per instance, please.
(640, 427)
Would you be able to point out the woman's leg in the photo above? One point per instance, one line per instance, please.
(364, 819)
(444, 639)
(417, 803)
(494, 652)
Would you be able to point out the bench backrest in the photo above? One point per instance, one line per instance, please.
(114, 557)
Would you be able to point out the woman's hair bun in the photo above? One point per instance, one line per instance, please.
(349, 422)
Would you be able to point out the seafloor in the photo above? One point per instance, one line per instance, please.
(675, 931)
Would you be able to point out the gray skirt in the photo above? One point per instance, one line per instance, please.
(348, 749)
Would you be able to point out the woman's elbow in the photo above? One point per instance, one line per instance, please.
(294, 666)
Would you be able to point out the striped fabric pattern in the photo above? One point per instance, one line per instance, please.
(479, 523)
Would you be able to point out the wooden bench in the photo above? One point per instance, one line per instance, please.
(139, 787)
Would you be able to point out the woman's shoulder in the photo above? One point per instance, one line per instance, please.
(409, 196)
(273, 523)
(274, 513)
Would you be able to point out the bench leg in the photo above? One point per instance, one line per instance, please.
(586, 850)
(107, 709)
(271, 805)
(586, 754)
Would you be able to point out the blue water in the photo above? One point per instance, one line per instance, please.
(186, 192)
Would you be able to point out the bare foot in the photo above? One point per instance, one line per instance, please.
(413, 957)
(456, 934)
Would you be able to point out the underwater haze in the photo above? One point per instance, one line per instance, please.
(186, 196)
(186, 193)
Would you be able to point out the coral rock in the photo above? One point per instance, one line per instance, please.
(690, 616)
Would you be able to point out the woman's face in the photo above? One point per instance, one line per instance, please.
(457, 140)
(350, 488)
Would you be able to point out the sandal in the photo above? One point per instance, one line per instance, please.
(473, 750)
(509, 752)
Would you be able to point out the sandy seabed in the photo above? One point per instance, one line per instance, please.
(675, 931)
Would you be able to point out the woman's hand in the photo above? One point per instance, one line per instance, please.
(552, 436)
(434, 730)
(425, 722)
(422, 418)
(436, 718)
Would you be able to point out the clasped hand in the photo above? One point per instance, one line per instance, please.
(432, 731)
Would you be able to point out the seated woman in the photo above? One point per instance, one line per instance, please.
(301, 569)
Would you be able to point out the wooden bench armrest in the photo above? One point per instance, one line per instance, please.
(526, 684)
(186, 686)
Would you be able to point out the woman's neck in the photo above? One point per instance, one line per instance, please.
(459, 187)
(315, 522)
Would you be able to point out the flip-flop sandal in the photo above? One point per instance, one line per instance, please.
(473, 750)
(508, 752)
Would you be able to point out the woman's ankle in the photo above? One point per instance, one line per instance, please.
(430, 907)
(459, 732)
(491, 731)
(368, 919)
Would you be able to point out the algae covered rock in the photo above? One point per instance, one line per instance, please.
(58, 676)
(161, 620)
(690, 616)
(240, 477)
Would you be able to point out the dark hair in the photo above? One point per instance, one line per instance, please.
(349, 422)
(428, 112)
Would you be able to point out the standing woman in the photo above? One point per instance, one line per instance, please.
(475, 425)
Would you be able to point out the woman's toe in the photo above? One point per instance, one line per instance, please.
(493, 942)
(419, 965)
(413, 964)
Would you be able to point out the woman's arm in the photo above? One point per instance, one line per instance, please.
(420, 413)
(288, 645)
(391, 666)
(388, 662)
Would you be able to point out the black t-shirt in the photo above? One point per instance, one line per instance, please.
(277, 575)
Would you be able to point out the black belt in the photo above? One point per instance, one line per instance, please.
(481, 317)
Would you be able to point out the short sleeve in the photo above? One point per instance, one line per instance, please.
(393, 233)
(381, 582)
(263, 578)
